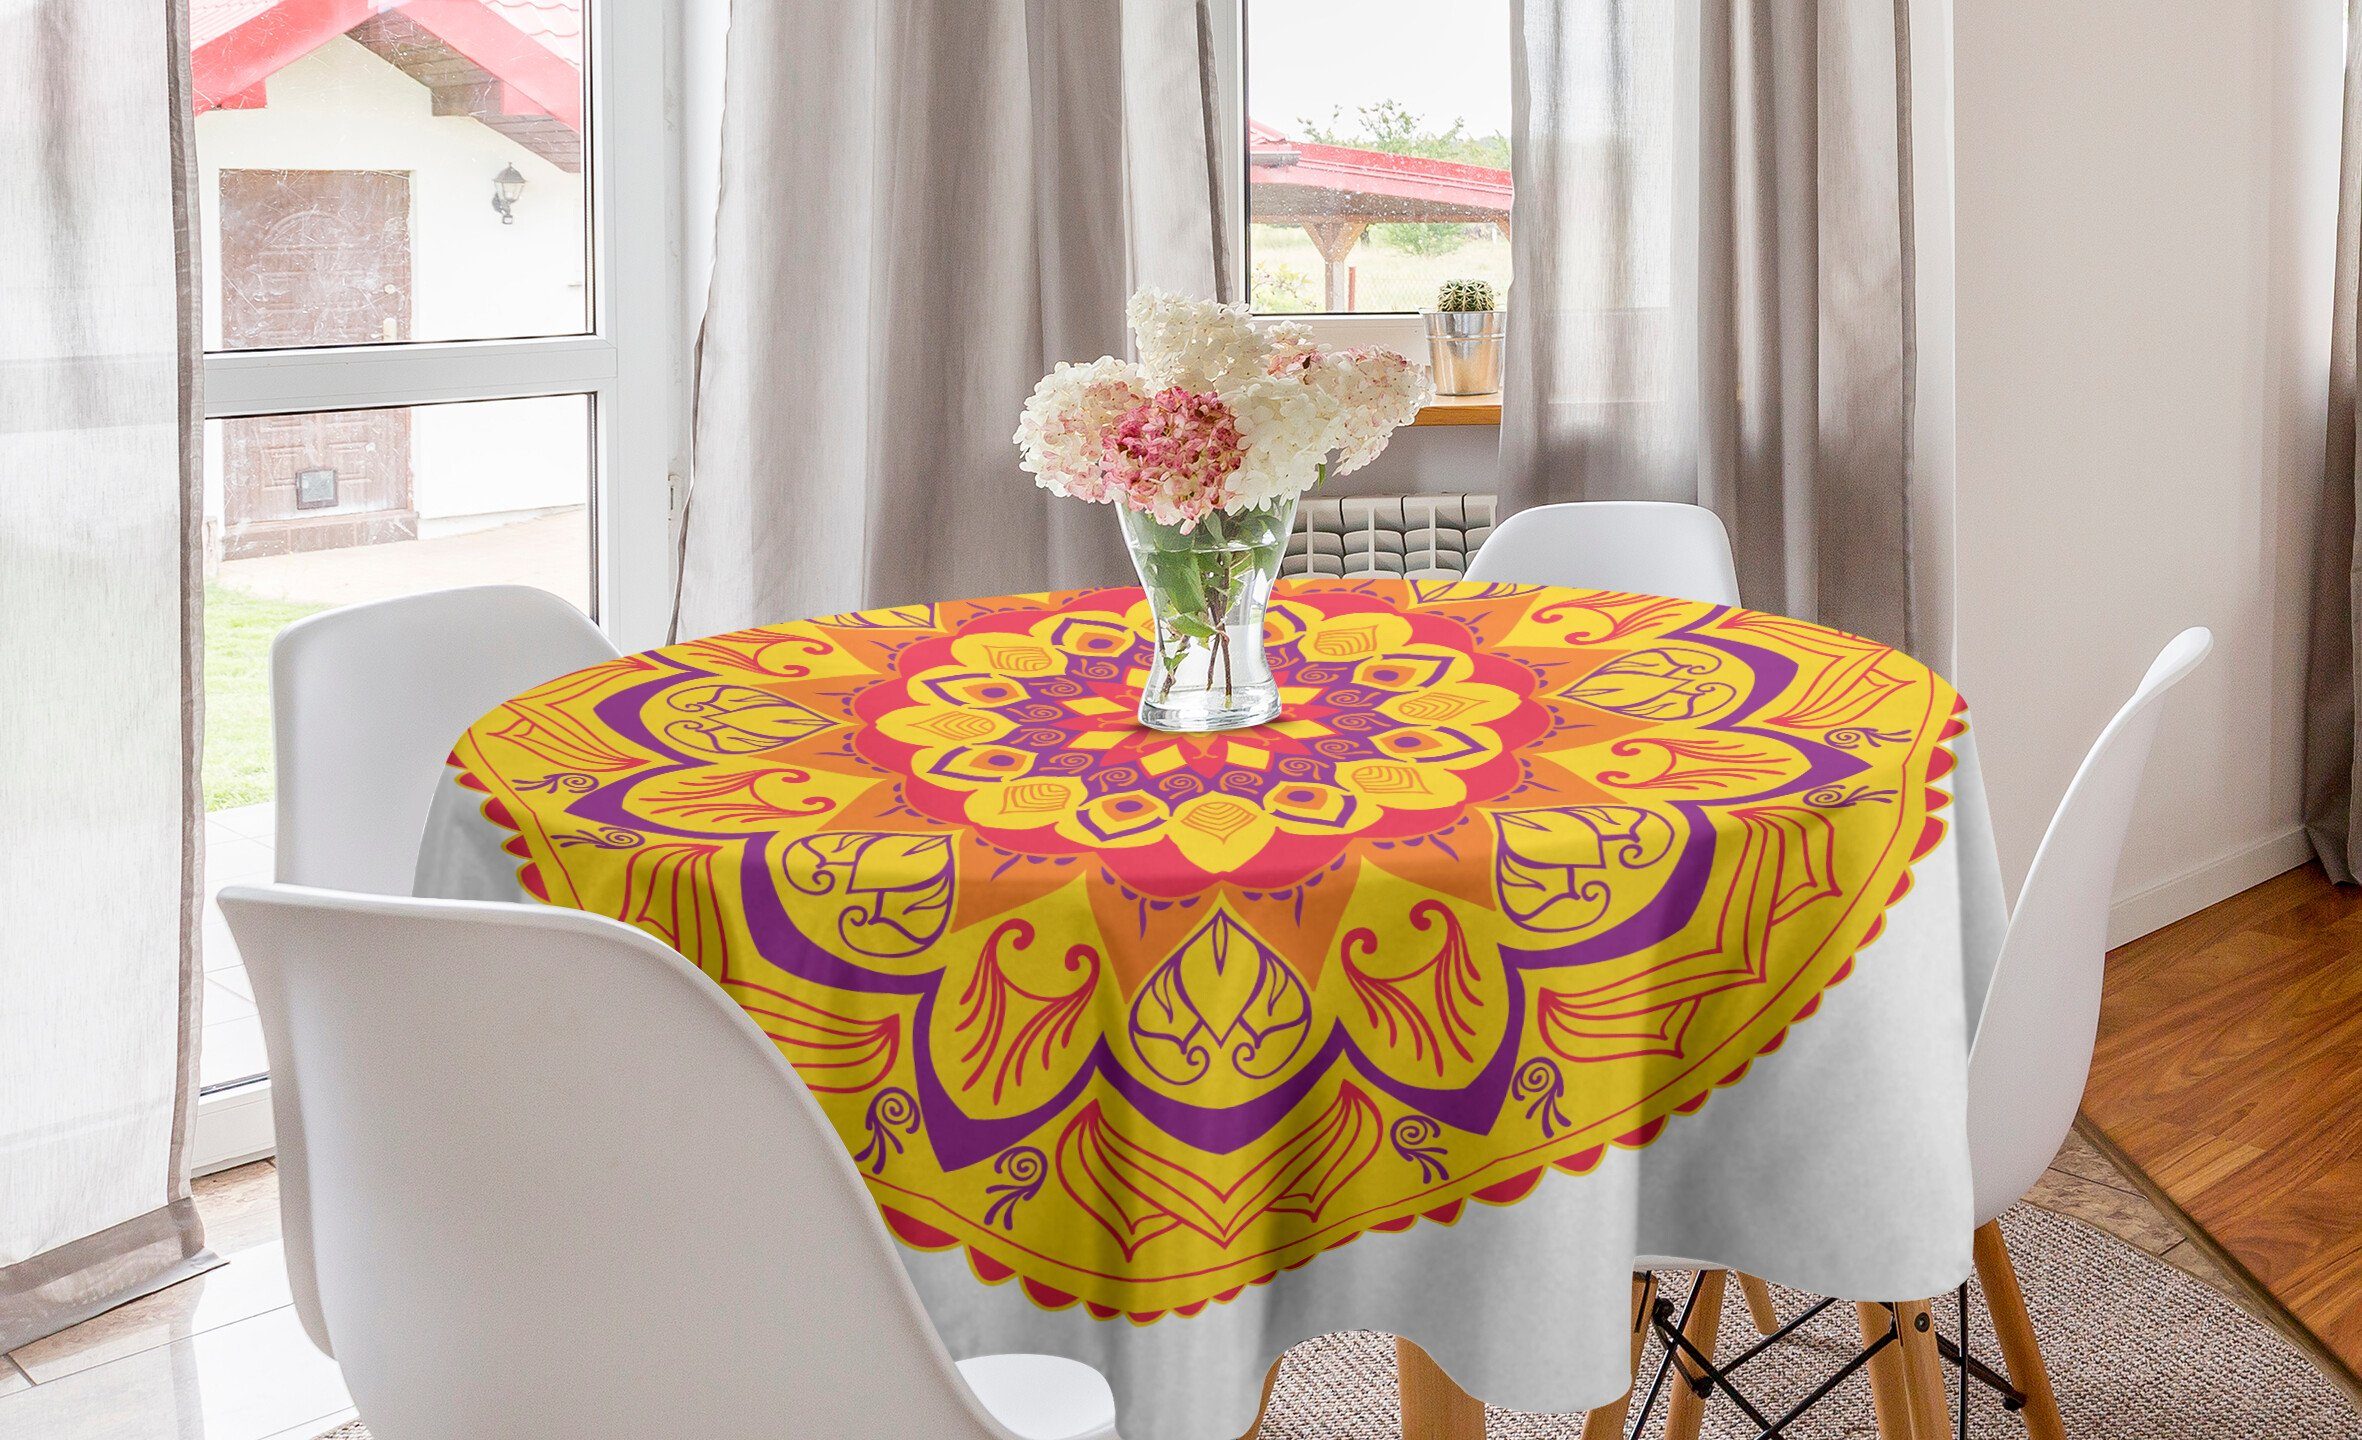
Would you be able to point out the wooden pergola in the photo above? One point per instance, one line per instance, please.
(1335, 192)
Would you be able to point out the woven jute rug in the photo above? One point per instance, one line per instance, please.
(2137, 1349)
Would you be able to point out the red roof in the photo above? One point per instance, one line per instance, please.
(532, 47)
(1273, 159)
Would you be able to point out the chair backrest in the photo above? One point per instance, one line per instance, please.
(549, 1181)
(366, 702)
(1648, 547)
(2042, 1011)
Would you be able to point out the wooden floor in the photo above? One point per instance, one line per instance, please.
(2228, 1080)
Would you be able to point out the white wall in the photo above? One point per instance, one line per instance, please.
(343, 108)
(1426, 460)
(2146, 194)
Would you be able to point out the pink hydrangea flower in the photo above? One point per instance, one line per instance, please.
(1172, 456)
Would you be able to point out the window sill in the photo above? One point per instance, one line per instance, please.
(1461, 410)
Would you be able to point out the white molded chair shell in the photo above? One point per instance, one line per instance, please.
(553, 1183)
(1646, 547)
(2042, 1011)
(366, 700)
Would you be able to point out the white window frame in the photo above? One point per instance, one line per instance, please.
(631, 363)
(1403, 331)
(626, 362)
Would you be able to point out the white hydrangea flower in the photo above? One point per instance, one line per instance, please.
(1199, 345)
(1368, 393)
(1285, 426)
(1291, 345)
(1063, 430)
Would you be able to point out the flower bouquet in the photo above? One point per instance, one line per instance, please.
(1203, 447)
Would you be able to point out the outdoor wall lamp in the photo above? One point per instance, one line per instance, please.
(506, 187)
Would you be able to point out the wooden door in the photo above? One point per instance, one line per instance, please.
(315, 257)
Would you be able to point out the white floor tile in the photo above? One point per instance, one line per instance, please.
(232, 1050)
(235, 861)
(256, 822)
(254, 1379)
(223, 1003)
(313, 1429)
(249, 1283)
(221, 951)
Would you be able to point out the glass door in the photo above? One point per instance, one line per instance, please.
(434, 314)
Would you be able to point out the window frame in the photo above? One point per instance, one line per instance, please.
(1403, 331)
(630, 361)
(625, 359)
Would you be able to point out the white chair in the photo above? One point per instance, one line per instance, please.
(366, 701)
(506, 1232)
(2026, 1070)
(1647, 547)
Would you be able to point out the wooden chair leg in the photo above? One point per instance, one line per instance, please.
(1433, 1408)
(1607, 1422)
(2015, 1329)
(1687, 1409)
(1923, 1370)
(1887, 1391)
(1263, 1406)
(1759, 1304)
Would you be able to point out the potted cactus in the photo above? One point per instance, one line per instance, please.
(1466, 333)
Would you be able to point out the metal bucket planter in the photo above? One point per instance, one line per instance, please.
(1465, 348)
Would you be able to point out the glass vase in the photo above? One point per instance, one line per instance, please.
(1207, 587)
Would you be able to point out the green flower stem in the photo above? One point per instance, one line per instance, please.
(1196, 577)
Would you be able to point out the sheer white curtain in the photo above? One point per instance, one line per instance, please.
(98, 660)
(924, 205)
(1713, 297)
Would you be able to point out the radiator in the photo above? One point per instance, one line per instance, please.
(1422, 536)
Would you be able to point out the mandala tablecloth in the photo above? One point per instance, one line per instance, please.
(1137, 1028)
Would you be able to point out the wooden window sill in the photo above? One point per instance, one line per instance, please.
(1461, 410)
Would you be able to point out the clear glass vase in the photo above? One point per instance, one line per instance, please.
(1207, 587)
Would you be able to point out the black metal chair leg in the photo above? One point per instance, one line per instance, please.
(1673, 1338)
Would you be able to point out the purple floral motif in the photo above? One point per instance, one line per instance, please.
(1860, 737)
(897, 888)
(721, 719)
(1665, 682)
(893, 1110)
(1540, 1085)
(1555, 865)
(1838, 797)
(1023, 1169)
(1413, 1136)
(1223, 996)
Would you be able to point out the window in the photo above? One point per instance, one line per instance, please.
(439, 314)
(1377, 152)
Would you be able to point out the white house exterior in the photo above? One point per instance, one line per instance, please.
(284, 161)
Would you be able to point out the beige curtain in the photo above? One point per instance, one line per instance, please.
(1713, 293)
(2333, 748)
(99, 817)
(924, 205)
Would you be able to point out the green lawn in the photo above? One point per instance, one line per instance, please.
(1386, 278)
(238, 631)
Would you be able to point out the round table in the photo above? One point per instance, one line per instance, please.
(1129, 1030)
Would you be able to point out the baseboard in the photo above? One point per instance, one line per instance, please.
(233, 1127)
(2194, 889)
